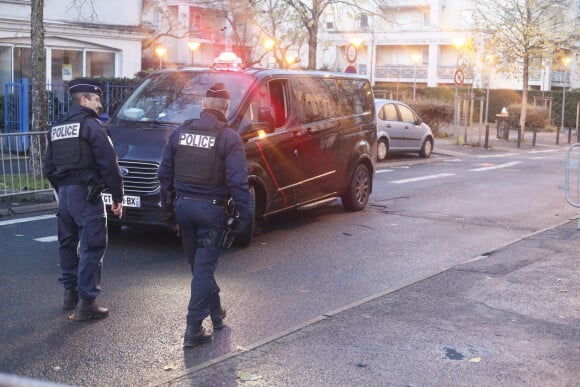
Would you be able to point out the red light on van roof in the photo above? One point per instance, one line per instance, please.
(227, 61)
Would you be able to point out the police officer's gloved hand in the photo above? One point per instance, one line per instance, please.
(240, 225)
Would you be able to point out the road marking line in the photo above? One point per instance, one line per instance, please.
(422, 178)
(506, 165)
(497, 155)
(543, 151)
(53, 238)
(24, 220)
(385, 170)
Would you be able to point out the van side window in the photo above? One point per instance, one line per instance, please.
(316, 99)
(354, 96)
(279, 100)
(259, 99)
(273, 95)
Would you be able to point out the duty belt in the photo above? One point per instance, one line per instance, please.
(215, 202)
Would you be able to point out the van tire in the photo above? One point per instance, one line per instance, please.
(359, 189)
(244, 238)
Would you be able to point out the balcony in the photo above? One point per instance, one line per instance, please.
(410, 74)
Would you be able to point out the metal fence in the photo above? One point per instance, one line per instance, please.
(21, 159)
(22, 151)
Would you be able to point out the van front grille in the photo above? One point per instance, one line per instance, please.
(139, 177)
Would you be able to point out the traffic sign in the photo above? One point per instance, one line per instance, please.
(458, 77)
(350, 70)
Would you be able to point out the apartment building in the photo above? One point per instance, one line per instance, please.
(104, 41)
(417, 42)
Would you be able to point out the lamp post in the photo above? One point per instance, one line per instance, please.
(160, 51)
(566, 63)
(458, 43)
(416, 58)
(487, 78)
(193, 46)
(269, 45)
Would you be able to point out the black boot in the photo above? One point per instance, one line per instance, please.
(90, 310)
(195, 335)
(71, 299)
(218, 320)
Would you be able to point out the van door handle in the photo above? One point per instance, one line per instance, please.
(309, 131)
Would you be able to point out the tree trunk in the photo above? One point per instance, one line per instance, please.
(38, 100)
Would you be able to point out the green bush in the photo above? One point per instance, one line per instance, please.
(536, 117)
(435, 112)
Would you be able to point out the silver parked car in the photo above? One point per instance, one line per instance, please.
(401, 130)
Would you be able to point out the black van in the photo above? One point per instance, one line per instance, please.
(310, 137)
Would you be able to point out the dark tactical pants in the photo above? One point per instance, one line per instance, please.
(84, 222)
(201, 224)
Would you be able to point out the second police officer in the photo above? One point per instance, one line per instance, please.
(80, 162)
(204, 164)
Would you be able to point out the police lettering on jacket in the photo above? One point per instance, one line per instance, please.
(65, 131)
(197, 140)
(69, 149)
(196, 157)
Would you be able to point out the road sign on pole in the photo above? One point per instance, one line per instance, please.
(458, 77)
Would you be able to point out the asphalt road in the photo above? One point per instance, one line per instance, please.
(425, 216)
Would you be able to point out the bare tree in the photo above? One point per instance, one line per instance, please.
(39, 102)
(519, 33)
(279, 22)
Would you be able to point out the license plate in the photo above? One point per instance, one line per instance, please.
(128, 201)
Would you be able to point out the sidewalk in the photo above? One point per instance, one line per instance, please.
(508, 319)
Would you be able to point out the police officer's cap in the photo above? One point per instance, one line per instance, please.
(218, 91)
(83, 85)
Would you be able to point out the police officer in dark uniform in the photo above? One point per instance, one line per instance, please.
(80, 163)
(204, 164)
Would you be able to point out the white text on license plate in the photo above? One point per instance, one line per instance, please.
(128, 201)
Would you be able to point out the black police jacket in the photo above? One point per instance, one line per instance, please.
(230, 148)
(105, 168)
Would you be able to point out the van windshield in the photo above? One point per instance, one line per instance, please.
(174, 97)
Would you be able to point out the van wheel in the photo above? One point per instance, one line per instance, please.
(244, 238)
(382, 149)
(426, 149)
(359, 189)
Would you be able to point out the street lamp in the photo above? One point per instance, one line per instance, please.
(566, 61)
(416, 59)
(193, 46)
(269, 45)
(160, 51)
(489, 60)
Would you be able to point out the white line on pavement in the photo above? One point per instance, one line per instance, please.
(52, 238)
(24, 220)
(497, 155)
(506, 165)
(543, 151)
(422, 178)
(385, 170)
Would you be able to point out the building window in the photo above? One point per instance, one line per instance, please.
(329, 26)
(22, 63)
(66, 65)
(364, 21)
(194, 21)
(100, 64)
